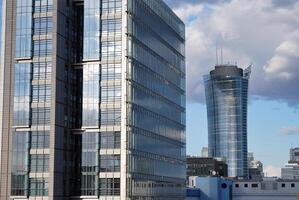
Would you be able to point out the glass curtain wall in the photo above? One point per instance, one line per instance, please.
(156, 116)
(101, 95)
(227, 119)
(32, 95)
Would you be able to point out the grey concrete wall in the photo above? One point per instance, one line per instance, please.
(7, 70)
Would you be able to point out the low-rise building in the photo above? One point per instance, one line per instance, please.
(200, 166)
(217, 188)
(265, 190)
(255, 168)
(290, 171)
(212, 188)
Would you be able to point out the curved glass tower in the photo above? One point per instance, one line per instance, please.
(226, 89)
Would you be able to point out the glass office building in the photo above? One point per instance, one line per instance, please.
(226, 89)
(93, 100)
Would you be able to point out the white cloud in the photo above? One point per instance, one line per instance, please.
(292, 130)
(272, 171)
(250, 31)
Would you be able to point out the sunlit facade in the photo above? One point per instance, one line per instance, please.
(226, 89)
(93, 100)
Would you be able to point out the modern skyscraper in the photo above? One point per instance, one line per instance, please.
(92, 100)
(226, 89)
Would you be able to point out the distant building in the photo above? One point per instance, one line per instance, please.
(226, 89)
(294, 155)
(205, 152)
(215, 188)
(265, 190)
(250, 158)
(255, 168)
(290, 171)
(199, 166)
(212, 188)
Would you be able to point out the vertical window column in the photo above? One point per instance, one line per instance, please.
(22, 94)
(91, 95)
(92, 29)
(89, 164)
(24, 28)
(20, 164)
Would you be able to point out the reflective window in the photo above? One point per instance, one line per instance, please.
(110, 140)
(109, 186)
(22, 94)
(109, 163)
(40, 139)
(39, 163)
(111, 72)
(42, 6)
(39, 187)
(111, 49)
(89, 163)
(110, 93)
(41, 93)
(42, 48)
(111, 6)
(110, 117)
(91, 95)
(111, 26)
(20, 163)
(41, 116)
(42, 70)
(88, 185)
(42, 25)
(92, 29)
(23, 28)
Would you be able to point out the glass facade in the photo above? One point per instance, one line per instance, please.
(22, 93)
(101, 84)
(20, 164)
(32, 97)
(23, 28)
(226, 97)
(156, 103)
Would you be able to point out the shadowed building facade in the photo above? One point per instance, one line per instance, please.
(92, 99)
(226, 89)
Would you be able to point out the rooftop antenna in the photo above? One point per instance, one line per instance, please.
(221, 56)
(216, 54)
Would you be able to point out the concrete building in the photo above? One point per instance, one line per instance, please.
(92, 100)
(212, 188)
(290, 171)
(265, 190)
(215, 188)
(199, 166)
(226, 89)
(294, 155)
(255, 168)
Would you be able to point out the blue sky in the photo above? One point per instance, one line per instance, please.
(262, 32)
